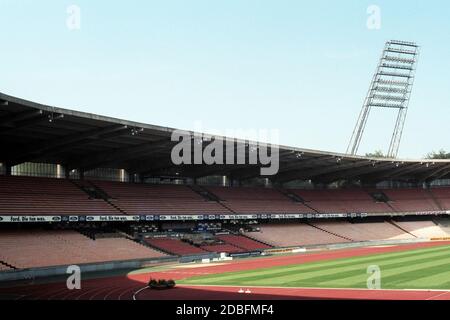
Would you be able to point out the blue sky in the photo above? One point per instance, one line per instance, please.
(302, 67)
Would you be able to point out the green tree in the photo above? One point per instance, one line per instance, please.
(441, 154)
(376, 154)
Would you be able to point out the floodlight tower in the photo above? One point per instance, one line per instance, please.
(390, 88)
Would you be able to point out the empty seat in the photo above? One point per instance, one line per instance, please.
(411, 200)
(342, 201)
(45, 196)
(174, 246)
(423, 229)
(243, 242)
(158, 199)
(35, 248)
(253, 200)
(295, 234)
(364, 231)
(219, 248)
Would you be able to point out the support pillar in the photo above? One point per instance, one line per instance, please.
(8, 169)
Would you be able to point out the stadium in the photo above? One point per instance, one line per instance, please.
(103, 197)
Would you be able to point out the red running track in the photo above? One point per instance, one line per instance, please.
(260, 293)
(124, 287)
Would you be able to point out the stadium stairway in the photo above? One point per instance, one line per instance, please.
(290, 195)
(401, 228)
(95, 191)
(257, 240)
(10, 266)
(173, 246)
(266, 244)
(148, 245)
(334, 234)
(243, 242)
(295, 198)
(435, 199)
(209, 196)
(108, 199)
(378, 196)
(391, 207)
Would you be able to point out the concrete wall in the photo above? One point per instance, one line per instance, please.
(26, 274)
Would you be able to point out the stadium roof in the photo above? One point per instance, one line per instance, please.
(33, 132)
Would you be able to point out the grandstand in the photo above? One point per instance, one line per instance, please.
(45, 196)
(78, 188)
(24, 249)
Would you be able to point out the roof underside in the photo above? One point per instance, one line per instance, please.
(32, 132)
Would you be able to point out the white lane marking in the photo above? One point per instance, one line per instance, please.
(139, 291)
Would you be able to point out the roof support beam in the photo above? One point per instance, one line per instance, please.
(242, 171)
(310, 174)
(406, 170)
(385, 168)
(442, 174)
(351, 173)
(11, 118)
(395, 172)
(302, 163)
(435, 174)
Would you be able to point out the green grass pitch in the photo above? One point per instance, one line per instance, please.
(427, 268)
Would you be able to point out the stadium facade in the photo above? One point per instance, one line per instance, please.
(73, 181)
(78, 144)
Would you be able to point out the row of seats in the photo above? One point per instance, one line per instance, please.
(409, 200)
(423, 229)
(330, 232)
(227, 243)
(250, 200)
(41, 248)
(242, 242)
(364, 231)
(38, 248)
(227, 248)
(287, 235)
(174, 246)
(158, 199)
(44, 196)
(262, 200)
(358, 200)
(442, 197)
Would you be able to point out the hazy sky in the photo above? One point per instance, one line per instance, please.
(302, 67)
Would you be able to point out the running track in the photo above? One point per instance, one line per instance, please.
(125, 287)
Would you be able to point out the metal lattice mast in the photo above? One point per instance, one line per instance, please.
(390, 88)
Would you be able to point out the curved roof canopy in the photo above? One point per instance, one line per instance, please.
(32, 132)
